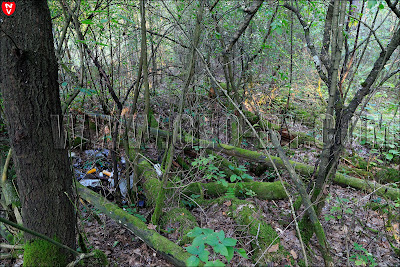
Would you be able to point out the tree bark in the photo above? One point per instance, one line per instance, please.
(28, 82)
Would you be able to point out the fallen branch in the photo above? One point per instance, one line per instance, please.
(168, 249)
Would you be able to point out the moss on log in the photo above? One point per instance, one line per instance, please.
(245, 213)
(168, 249)
(263, 190)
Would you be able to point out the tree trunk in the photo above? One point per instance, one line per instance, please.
(28, 82)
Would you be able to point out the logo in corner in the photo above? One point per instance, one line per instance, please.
(8, 8)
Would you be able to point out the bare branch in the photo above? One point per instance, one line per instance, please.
(250, 14)
(310, 44)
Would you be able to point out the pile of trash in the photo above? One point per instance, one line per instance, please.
(93, 169)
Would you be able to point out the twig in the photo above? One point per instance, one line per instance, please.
(81, 257)
(8, 246)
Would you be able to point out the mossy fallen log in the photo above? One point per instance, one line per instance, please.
(263, 190)
(168, 249)
(245, 213)
(303, 169)
(300, 137)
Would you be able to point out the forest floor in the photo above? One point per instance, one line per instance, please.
(363, 226)
(355, 232)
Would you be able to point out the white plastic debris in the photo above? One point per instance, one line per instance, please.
(122, 186)
(157, 167)
(90, 182)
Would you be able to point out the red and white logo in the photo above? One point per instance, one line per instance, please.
(8, 8)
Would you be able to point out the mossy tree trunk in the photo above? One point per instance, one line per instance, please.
(29, 86)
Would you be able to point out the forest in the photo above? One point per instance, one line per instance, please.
(200, 133)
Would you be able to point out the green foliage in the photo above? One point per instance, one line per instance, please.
(213, 173)
(132, 211)
(217, 241)
(337, 211)
(364, 258)
(206, 165)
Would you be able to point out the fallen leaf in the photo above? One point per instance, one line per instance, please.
(294, 254)
(228, 203)
(151, 226)
(273, 248)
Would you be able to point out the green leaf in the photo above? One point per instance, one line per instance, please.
(81, 41)
(357, 246)
(204, 255)
(195, 250)
(359, 262)
(87, 21)
(115, 244)
(389, 156)
(242, 252)
(234, 177)
(223, 182)
(195, 232)
(349, 211)
(328, 217)
(246, 176)
(102, 44)
(214, 263)
(221, 249)
(199, 240)
(212, 240)
(192, 249)
(221, 235)
(230, 253)
(103, 20)
(192, 261)
(229, 242)
(207, 231)
(64, 84)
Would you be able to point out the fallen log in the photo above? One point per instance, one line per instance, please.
(263, 190)
(168, 249)
(303, 169)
